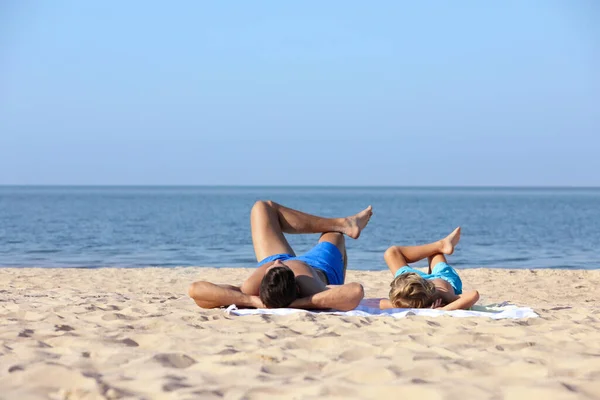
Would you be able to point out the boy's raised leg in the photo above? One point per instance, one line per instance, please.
(397, 257)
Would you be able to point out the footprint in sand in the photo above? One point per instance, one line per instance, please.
(209, 394)
(129, 342)
(372, 375)
(355, 353)
(174, 360)
(63, 328)
(26, 333)
(15, 368)
(117, 316)
(172, 386)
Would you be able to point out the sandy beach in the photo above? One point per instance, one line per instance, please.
(134, 333)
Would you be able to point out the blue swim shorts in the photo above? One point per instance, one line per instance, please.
(324, 256)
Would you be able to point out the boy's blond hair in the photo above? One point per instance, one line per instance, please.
(410, 290)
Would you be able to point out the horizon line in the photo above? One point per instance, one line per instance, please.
(302, 186)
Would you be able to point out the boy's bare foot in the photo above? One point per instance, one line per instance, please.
(450, 241)
(356, 223)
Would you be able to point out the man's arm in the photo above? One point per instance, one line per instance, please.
(252, 284)
(344, 298)
(209, 295)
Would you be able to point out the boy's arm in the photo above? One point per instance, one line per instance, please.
(344, 298)
(462, 301)
(385, 304)
(209, 295)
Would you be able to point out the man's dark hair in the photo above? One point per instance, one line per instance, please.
(278, 288)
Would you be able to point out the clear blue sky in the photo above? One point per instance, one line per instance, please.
(300, 93)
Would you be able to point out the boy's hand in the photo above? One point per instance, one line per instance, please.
(437, 304)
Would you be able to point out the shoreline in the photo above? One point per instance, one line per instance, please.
(133, 332)
(423, 267)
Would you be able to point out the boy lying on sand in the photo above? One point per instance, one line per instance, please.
(440, 288)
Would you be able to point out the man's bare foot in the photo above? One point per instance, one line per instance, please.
(356, 223)
(450, 241)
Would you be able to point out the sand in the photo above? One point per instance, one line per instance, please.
(116, 333)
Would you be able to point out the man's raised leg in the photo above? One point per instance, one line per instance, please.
(270, 221)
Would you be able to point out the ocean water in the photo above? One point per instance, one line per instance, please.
(209, 226)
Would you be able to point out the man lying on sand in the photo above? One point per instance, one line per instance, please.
(440, 288)
(314, 280)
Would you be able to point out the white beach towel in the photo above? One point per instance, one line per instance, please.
(370, 307)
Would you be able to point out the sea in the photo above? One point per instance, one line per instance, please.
(94, 227)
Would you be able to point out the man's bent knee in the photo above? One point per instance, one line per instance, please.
(334, 238)
(263, 205)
